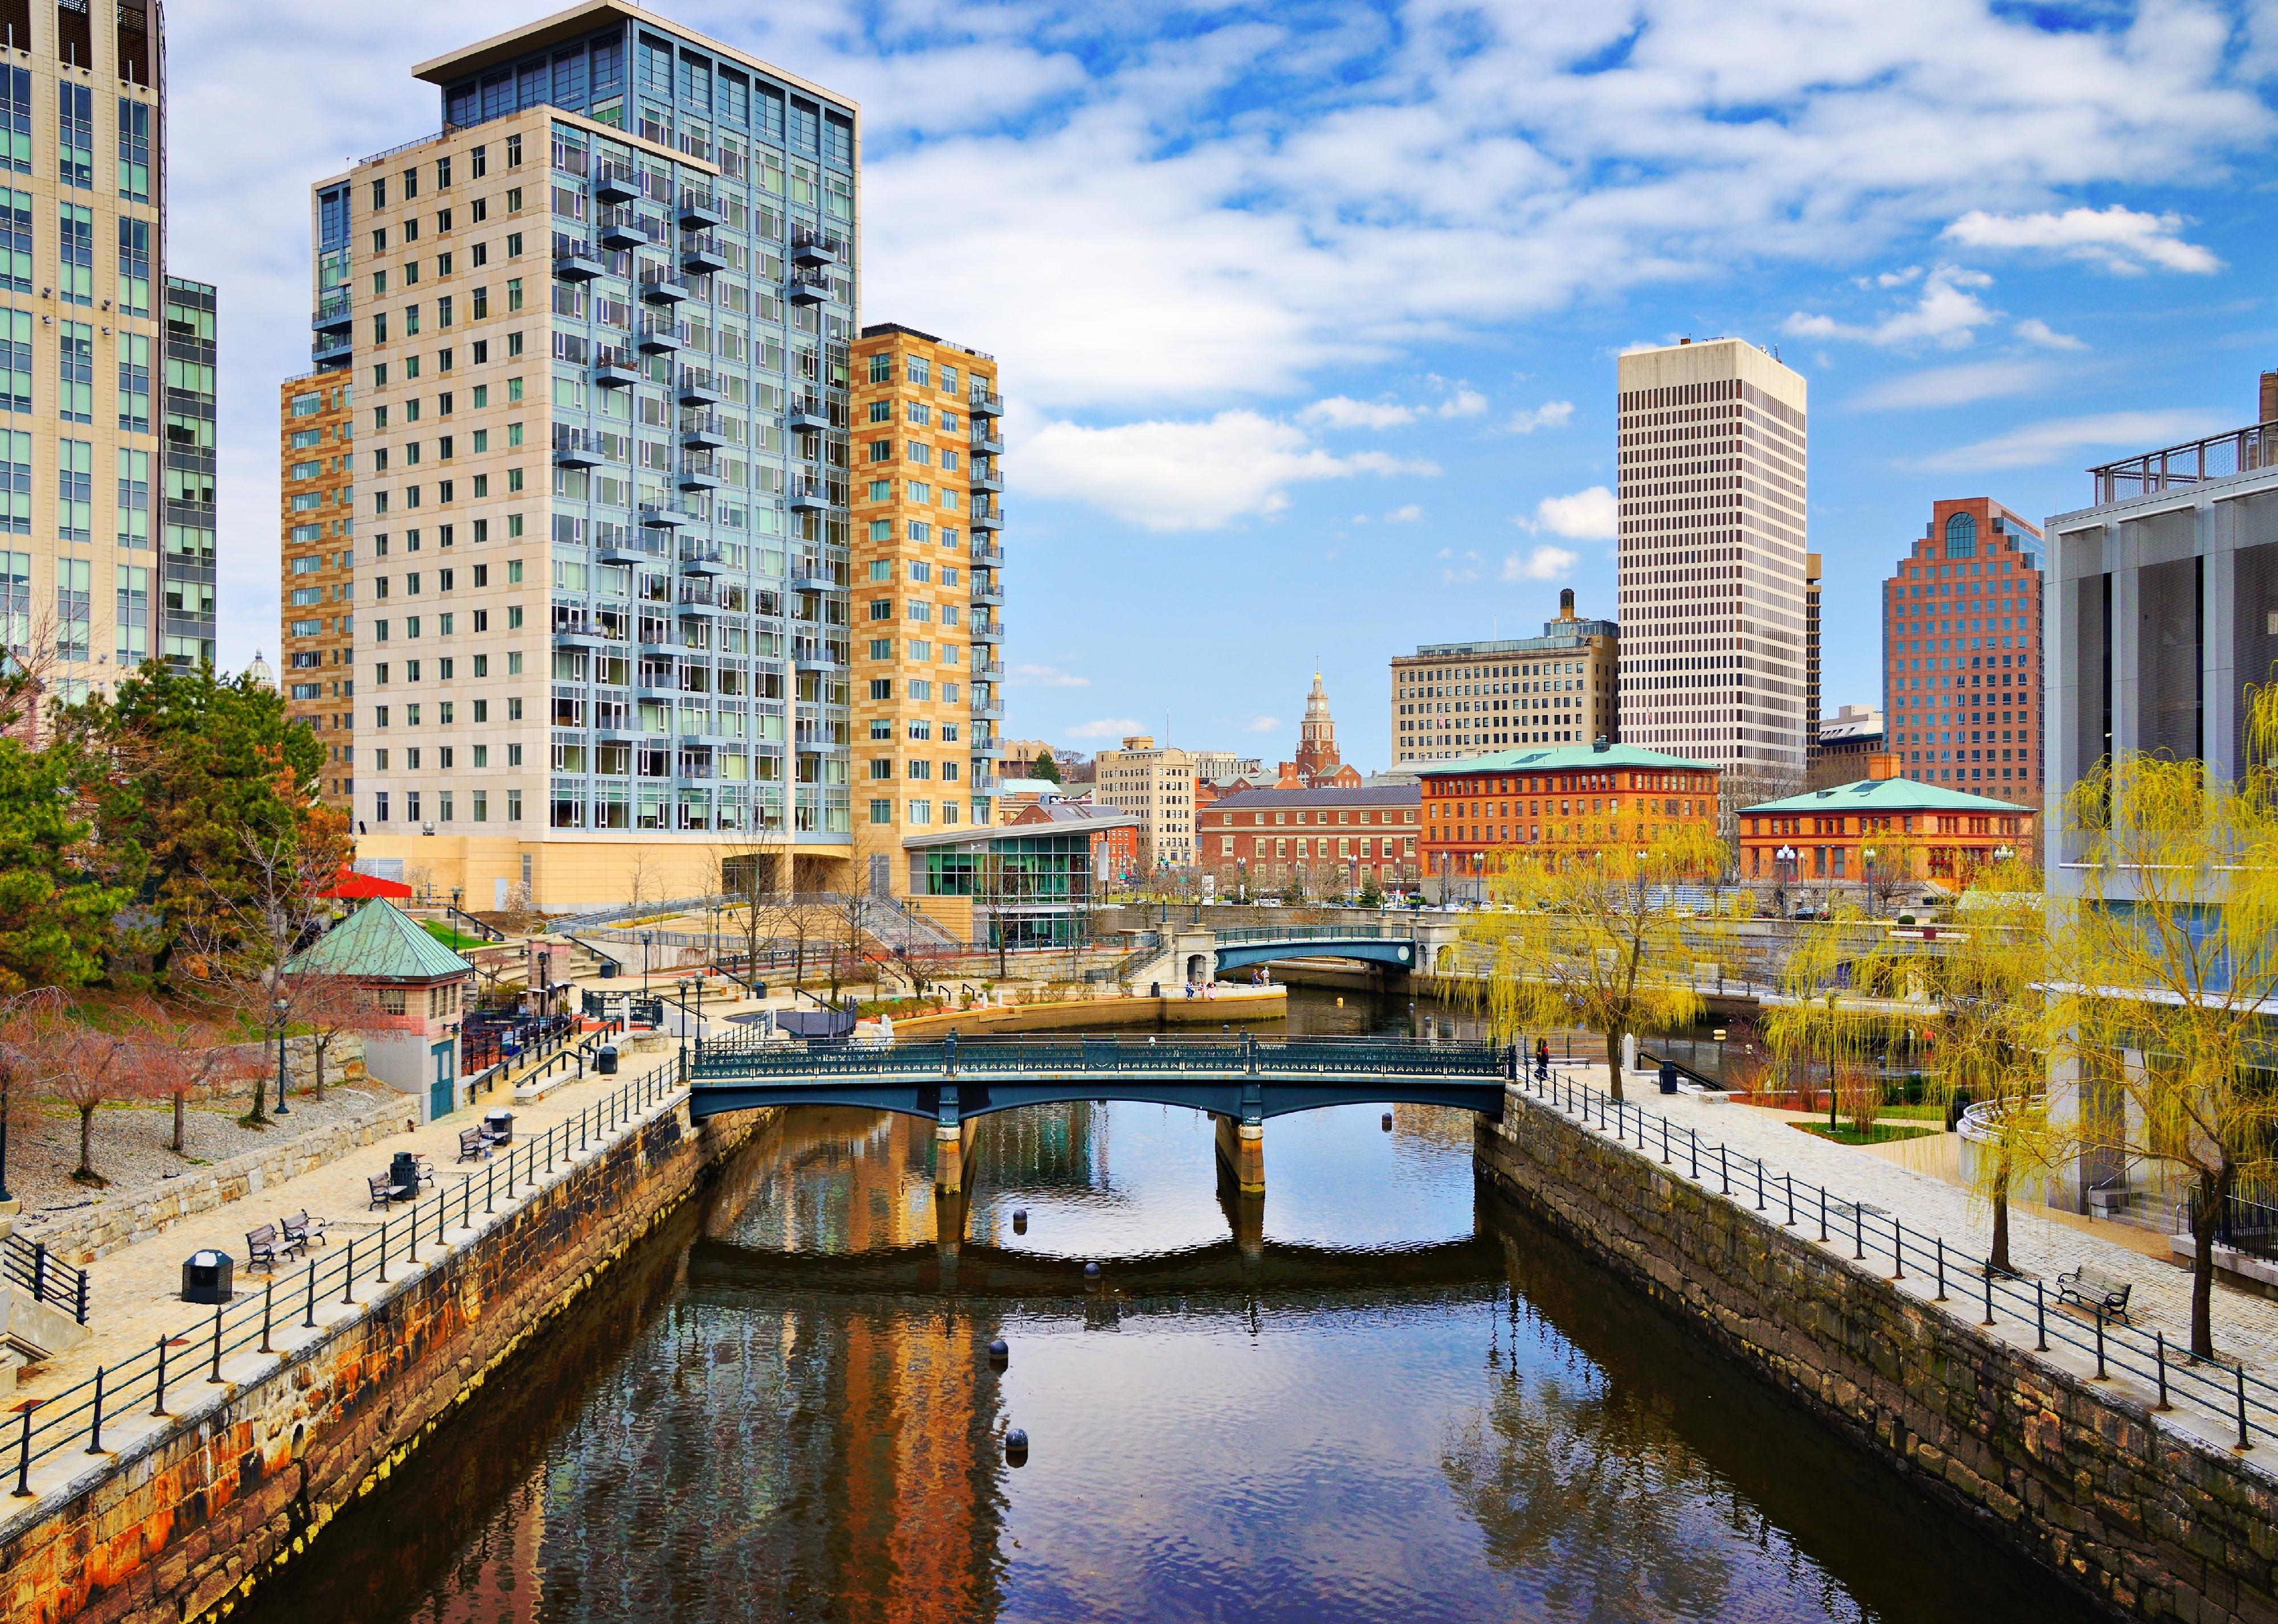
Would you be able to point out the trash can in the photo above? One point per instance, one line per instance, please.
(759, 989)
(1669, 1077)
(606, 971)
(206, 1276)
(501, 1123)
(605, 1060)
(404, 1176)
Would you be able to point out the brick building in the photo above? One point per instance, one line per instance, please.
(1884, 821)
(317, 526)
(1325, 840)
(1964, 702)
(1577, 798)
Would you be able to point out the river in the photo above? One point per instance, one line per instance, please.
(1387, 1396)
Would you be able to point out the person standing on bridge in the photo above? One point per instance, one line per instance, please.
(1542, 1060)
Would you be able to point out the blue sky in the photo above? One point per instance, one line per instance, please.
(1308, 312)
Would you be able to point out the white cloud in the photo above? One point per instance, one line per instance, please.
(2116, 238)
(1947, 314)
(1105, 727)
(1343, 412)
(1956, 385)
(1263, 724)
(1464, 403)
(1045, 676)
(1550, 415)
(2039, 444)
(2033, 329)
(1172, 475)
(1412, 513)
(1544, 563)
(1585, 516)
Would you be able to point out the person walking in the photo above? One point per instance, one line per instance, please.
(1542, 1060)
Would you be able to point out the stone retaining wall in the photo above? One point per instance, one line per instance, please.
(121, 1219)
(2148, 1521)
(180, 1526)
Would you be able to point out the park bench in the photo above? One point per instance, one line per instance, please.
(472, 1144)
(265, 1249)
(301, 1230)
(2094, 1290)
(382, 1192)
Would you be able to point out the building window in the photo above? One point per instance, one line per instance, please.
(1961, 535)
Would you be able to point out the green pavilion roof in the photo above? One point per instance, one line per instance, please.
(1879, 795)
(379, 942)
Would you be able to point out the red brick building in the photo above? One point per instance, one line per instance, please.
(1964, 703)
(1575, 799)
(1324, 839)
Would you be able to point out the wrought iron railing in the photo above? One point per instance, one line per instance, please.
(743, 1055)
(30, 1267)
(193, 1357)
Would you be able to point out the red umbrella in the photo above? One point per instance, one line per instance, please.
(352, 886)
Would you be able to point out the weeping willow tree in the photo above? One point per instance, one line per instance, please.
(1844, 996)
(2166, 976)
(1595, 940)
(1993, 1038)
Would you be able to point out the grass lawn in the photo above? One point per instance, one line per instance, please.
(1881, 1133)
(451, 939)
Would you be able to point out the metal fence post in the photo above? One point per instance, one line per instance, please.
(2245, 1439)
(1858, 1233)
(213, 1373)
(1724, 1169)
(159, 1406)
(1941, 1271)
(1988, 1271)
(1760, 1184)
(268, 1298)
(2159, 1348)
(2040, 1318)
(94, 1428)
(1789, 1180)
(23, 1455)
(348, 1276)
(2099, 1341)
(1897, 1250)
(311, 1318)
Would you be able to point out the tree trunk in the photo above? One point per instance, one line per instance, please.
(2206, 1216)
(259, 1116)
(85, 1173)
(322, 1045)
(1613, 1059)
(1997, 1256)
(179, 1149)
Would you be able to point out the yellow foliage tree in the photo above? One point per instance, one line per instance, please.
(1841, 999)
(2171, 951)
(1595, 940)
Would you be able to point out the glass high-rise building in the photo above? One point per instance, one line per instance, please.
(106, 362)
(598, 332)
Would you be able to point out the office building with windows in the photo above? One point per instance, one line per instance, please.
(1965, 701)
(597, 331)
(96, 577)
(929, 590)
(1451, 701)
(316, 421)
(1717, 661)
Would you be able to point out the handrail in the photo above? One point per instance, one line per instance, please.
(488, 932)
(2246, 1402)
(74, 1418)
(29, 1265)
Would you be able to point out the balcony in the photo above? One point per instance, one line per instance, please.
(991, 747)
(987, 439)
(699, 211)
(661, 284)
(576, 262)
(986, 476)
(657, 337)
(655, 515)
(984, 402)
(575, 447)
(808, 495)
(614, 369)
(702, 255)
(700, 387)
(332, 314)
(990, 630)
(697, 473)
(615, 182)
(985, 557)
(987, 671)
(990, 708)
(2218, 456)
(807, 412)
(628, 228)
(807, 286)
(699, 556)
(620, 545)
(989, 518)
(572, 630)
(809, 656)
(809, 247)
(812, 575)
(332, 349)
(702, 429)
(987, 592)
(984, 783)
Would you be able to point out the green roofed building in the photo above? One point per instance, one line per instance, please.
(417, 986)
(1880, 824)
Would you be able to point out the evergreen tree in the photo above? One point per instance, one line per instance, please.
(1046, 768)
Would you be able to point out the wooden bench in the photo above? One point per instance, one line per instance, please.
(473, 1142)
(382, 1192)
(265, 1250)
(2096, 1290)
(302, 1231)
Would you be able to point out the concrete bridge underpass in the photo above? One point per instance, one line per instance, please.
(1239, 1080)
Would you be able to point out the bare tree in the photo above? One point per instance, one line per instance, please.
(98, 1067)
(177, 1053)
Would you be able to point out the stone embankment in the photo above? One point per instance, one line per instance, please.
(2143, 1511)
(184, 1517)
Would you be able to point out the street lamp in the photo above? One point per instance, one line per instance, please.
(281, 1007)
(1784, 867)
(645, 938)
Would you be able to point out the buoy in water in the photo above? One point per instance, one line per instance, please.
(1092, 1273)
(1020, 1220)
(1016, 1447)
(1388, 1122)
(1340, 1001)
(999, 1355)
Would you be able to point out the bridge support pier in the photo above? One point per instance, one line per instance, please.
(953, 1145)
(1242, 1153)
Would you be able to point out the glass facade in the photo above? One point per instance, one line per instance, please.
(189, 517)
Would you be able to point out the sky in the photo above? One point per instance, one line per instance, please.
(1307, 313)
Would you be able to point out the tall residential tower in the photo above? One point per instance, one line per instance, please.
(106, 363)
(598, 332)
(1716, 664)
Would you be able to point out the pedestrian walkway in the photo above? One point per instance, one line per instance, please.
(134, 1293)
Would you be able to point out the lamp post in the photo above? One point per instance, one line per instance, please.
(645, 939)
(1866, 872)
(1784, 866)
(281, 1007)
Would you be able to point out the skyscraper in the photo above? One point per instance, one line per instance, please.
(89, 319)
(317, 567)
(1715, 660)
(1963, 694)
(598, 335)
(929, 564)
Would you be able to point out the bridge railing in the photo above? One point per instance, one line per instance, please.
(1314, 933)
(2245, 1403)
(1211, 1054)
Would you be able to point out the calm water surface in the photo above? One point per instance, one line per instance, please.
(1379, 1394)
